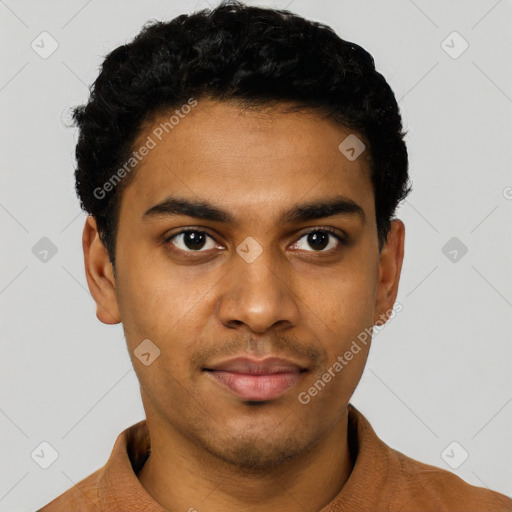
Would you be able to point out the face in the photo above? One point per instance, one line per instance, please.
(247, 253)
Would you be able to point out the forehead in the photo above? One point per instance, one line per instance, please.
(258, 161)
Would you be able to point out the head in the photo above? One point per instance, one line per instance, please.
(241, 167)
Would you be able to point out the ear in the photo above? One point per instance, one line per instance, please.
(390, 266)
(99, 274)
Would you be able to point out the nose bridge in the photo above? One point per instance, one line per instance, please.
(258, 293)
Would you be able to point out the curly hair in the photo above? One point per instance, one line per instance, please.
(253, 55)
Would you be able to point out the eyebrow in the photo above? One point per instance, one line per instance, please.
(204, 210)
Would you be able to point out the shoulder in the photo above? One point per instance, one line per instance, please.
(390, 481)
(113, 482)
(81, 497)
(425, 487)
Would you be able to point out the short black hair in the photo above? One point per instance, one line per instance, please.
(252, 55)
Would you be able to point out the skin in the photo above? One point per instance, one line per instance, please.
(210, 449)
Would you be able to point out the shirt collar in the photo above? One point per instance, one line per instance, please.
(119, 487)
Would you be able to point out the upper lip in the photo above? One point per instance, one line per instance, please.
(248, 365)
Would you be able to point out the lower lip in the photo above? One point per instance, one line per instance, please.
(257, 387)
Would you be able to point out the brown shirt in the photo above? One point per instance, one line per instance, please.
(382, 479)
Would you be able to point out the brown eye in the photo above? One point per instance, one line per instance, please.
(192, 241)
(320, 240)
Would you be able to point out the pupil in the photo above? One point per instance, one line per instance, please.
(194, 240)
(318, 240)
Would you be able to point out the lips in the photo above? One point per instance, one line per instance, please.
(251, 366)
(257, 380)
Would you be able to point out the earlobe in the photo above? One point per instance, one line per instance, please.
(390, 267)
(99, 274)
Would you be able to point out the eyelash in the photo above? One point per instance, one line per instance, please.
(342, 241)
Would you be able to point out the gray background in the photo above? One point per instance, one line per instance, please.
(439, 372)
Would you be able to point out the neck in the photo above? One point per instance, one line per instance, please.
(181, 476)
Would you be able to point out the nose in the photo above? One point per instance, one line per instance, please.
(258, 295)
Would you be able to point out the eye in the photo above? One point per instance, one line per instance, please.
(194, 240)
(321, 240)
(191, 240)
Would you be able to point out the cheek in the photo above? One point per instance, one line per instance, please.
(343, 326)
(154, 308)
(153, 299)
(342, 320)
(343, 301)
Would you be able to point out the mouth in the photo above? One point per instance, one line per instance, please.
(257, 380)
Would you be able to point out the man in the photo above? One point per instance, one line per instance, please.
(241, 168)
